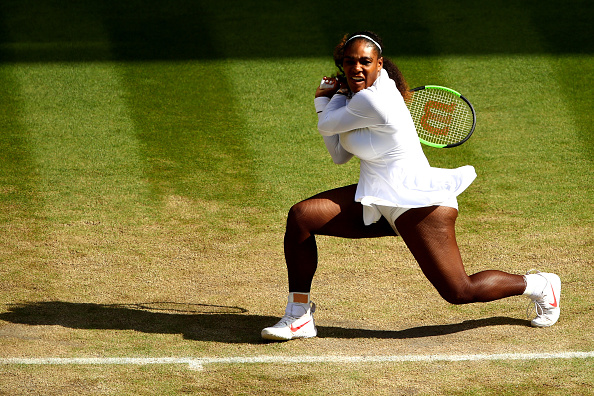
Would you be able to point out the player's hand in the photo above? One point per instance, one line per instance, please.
(328, 87)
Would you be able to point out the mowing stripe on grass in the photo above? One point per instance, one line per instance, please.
(82, 138)
(198, 363)
(74, 116)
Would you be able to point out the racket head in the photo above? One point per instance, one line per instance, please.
(443, 117)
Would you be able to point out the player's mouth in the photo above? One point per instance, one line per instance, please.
(357, 83)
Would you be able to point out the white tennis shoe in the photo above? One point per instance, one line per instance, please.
(546, 304)
(298, 322)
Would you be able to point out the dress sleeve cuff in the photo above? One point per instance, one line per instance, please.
(321, 103)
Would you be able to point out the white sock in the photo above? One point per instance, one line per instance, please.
(298, 304)
(535, 285)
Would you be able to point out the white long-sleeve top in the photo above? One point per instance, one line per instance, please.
(376, 126)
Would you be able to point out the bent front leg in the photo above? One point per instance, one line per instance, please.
(332, 213)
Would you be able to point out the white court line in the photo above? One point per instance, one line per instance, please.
(198, 363)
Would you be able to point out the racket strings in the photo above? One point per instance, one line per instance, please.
(440, 117)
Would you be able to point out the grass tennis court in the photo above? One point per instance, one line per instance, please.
(149, 153)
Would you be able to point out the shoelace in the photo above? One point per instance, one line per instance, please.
(285, 320)
(538, 308)
(288, 319)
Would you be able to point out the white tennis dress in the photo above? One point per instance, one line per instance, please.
(375, 125)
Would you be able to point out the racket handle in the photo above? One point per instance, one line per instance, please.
(327, 83)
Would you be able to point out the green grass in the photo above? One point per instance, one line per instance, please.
(149, 153)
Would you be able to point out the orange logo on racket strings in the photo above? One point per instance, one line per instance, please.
(439, 113)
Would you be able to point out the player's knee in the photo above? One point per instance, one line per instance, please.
(296, 213)
(458, 299)
(458, 295)
(298, 217)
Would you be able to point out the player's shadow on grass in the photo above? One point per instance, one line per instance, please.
(204, 322)
(420, 331)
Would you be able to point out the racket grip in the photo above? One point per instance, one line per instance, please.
(327, 83)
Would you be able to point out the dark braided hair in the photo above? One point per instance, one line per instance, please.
(390, 67)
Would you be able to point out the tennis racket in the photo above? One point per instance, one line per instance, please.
(443, 117)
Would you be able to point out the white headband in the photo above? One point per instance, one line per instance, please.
(368, 38)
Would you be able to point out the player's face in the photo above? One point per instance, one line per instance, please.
(361, 65)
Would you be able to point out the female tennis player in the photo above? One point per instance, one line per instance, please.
(363, 114)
